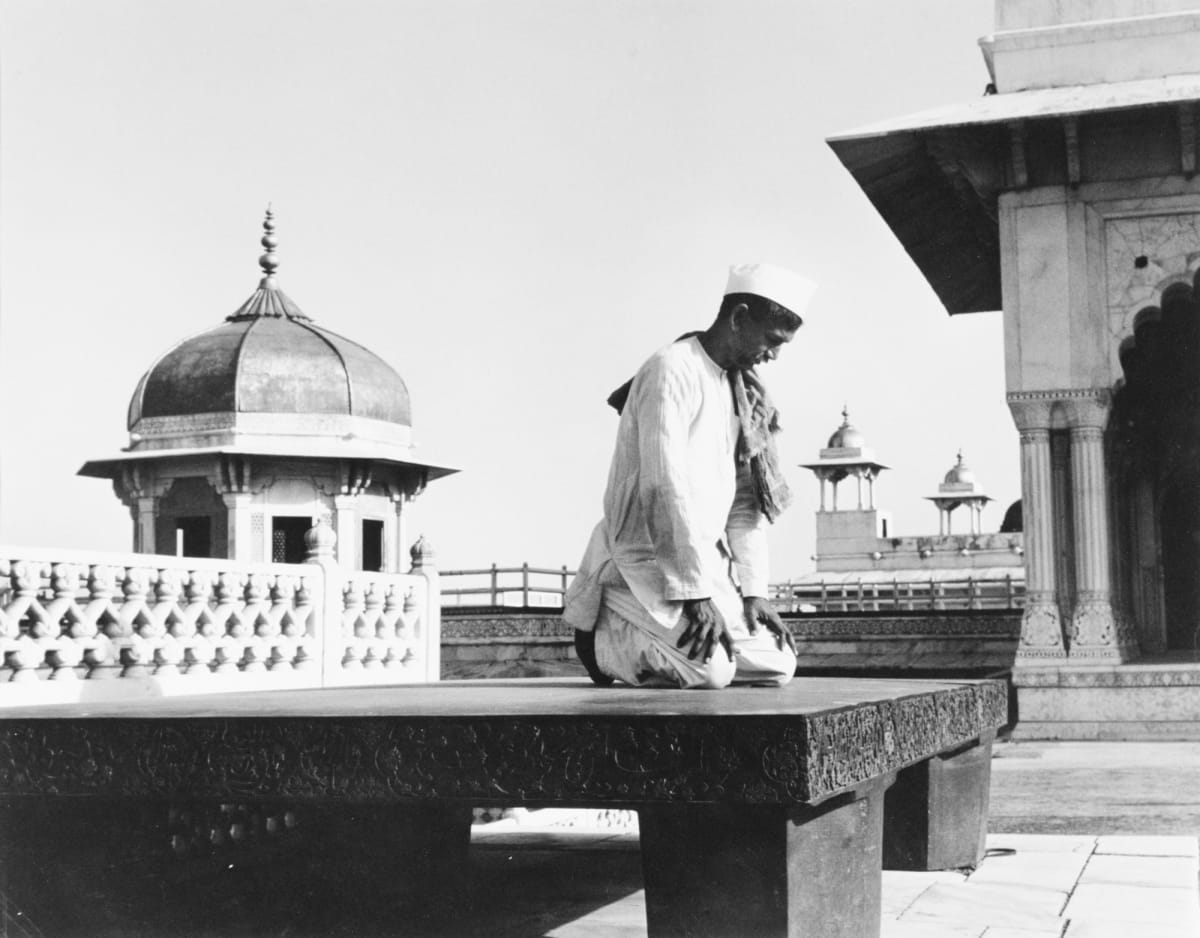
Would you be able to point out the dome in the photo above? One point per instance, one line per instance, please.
(268, 358)
(270, 365)
(960, 474)
(846, 436)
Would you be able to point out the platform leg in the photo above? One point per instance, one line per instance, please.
(935, 816)
(767, 871)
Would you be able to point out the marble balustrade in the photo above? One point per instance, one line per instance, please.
(78, 626)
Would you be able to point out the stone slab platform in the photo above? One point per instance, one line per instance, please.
(503, 742)
(776, 794)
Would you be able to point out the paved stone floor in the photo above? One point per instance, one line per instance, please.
(1028, 886)
(1088, 840)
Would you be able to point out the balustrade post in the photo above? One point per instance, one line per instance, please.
(319, 541)
(495, 585)
(525, 584)
(424, 563)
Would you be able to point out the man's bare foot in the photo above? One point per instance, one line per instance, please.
(585, 648)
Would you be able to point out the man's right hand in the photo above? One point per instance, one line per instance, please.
(705, 628)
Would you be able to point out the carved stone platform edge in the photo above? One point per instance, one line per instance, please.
(779, 759)
(1180, 675)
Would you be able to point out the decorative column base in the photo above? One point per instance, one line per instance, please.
(1098, 634)
(1041, 631)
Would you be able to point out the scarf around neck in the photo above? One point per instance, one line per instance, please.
(758, 421)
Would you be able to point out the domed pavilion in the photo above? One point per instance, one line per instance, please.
(241, 436)
(960, 488)
(847, 455)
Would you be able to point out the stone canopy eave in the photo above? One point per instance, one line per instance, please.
(333, 452)
(935, 177)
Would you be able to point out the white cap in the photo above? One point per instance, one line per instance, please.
(774, 283)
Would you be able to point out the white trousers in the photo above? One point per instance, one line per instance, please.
(637, 650)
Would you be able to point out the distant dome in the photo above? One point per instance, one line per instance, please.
(1013, 520)
(269, 359)
(960, 474)
(846, 436)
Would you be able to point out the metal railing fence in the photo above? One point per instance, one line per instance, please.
(507, 586)
(529, 586)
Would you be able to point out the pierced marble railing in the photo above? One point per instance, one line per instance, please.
(78, 626)
(383, 629)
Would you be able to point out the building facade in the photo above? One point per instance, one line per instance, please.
(1067, 197)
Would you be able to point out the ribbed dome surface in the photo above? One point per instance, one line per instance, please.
(271, 364)
(269, 358)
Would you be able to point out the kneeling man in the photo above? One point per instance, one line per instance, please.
(672, 588)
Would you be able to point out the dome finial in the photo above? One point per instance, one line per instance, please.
(845, 415)
(268, 261)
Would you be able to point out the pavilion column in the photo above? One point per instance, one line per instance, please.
(396, 551)
(1094, 628)
(145, 520)
(1041, 628)
(136, 486)
(1041, 625)
(240, 546)
(346, 526)
(234, 480)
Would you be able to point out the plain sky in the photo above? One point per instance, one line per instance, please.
(512, 202)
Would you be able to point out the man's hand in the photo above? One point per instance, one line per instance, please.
(759, 611)
(705, 628)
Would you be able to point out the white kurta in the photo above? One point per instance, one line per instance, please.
(680, 520)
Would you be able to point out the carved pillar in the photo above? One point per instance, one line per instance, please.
(1062, 522)
(136, 487)
(395, 549)
(349, 534)
(1041, 628)
(401, 491)
(1094, 629)
(240, 546)
(233, 482)
(144, 527)
(1041, 625)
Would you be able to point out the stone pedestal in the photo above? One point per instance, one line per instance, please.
(766, 871)
(935, 815)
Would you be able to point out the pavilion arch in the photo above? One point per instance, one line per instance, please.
(1154, 458)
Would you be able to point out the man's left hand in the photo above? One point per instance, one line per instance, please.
(759, 612)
